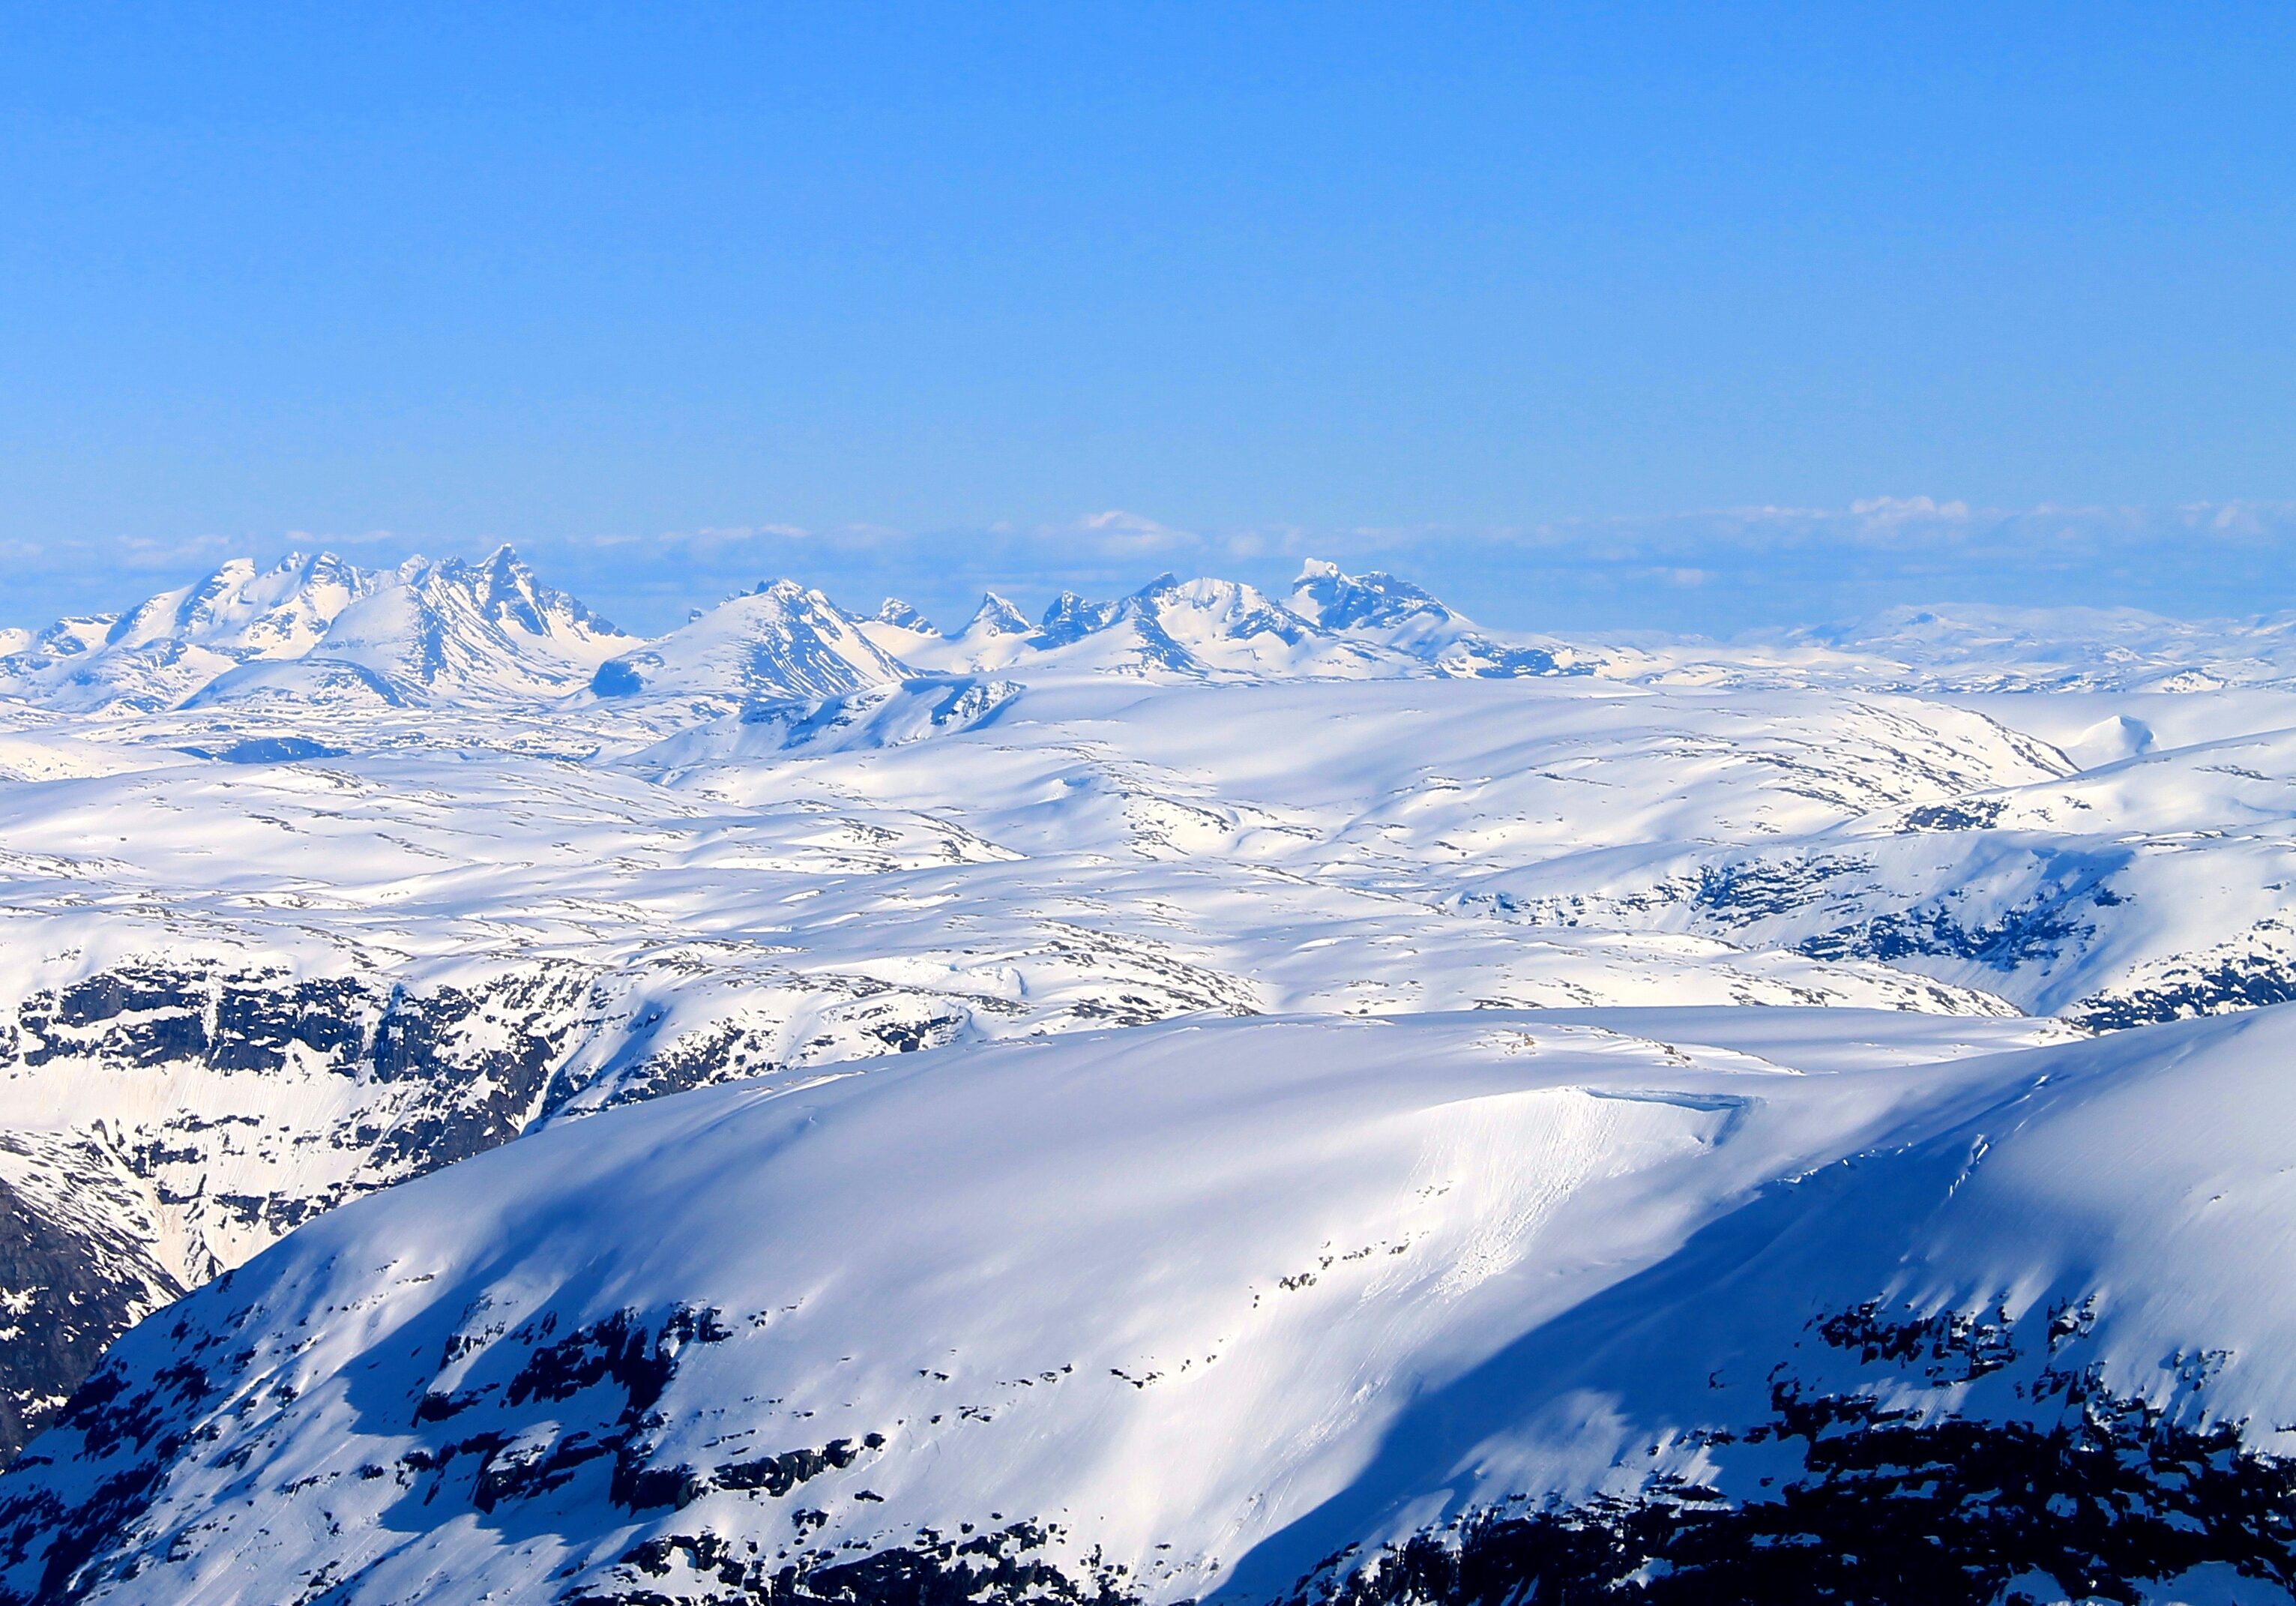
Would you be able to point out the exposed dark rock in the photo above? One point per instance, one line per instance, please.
(2038, 931)
(1940, 1513)
(1005, 1568)
(457, 1070)
(2253, 970)
(74, 1272)
(1962, 814)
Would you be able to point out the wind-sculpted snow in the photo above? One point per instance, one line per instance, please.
(1237, 1311)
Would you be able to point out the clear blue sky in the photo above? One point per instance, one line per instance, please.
(1513, 297)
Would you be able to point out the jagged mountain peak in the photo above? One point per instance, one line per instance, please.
(1199, 627)
(507, 592)
(901, 616)
(432, 630)
(437, 629)
(271, 613)
(165, 647)
(996, 616)
(782, 640)
(1378, 608)
(1340, 601)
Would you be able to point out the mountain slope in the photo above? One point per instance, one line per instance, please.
(779, 641)
(1190, 1311)
(446, 631)
(1405, 618)
(434, 633)
(274, 981)
(336, 920)
(2142, 889)
(160, 652)
(1336, 627)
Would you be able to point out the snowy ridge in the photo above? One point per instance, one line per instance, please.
(1334, 627)
(315, 629)
(1394, 614)
(1290, 1304)
(436, 632)
(361, 945)
(782, 641)
(318, 631)
(1257, 933)
(156, 653)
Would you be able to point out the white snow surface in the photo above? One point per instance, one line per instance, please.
(1477, 984)
(1206, 1298)
(313, 629)
(781, 640)
(812, 851)
(929, 860)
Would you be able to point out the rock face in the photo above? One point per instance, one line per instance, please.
(1745, 1305)
(81, 1261)
(219, 1108)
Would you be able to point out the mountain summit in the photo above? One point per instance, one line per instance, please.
(781, 640)
(316, 632)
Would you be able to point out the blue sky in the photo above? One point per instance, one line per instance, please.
(1590, 315)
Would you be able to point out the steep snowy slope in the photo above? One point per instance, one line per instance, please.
(159, 653)
(83, 1256)
(427, 881)
(779, 641)
(1741, 1304)
(996, 637)
(270, 984)
(438, 631)
(1396, 615)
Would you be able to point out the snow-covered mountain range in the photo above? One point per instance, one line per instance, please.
(1200, 1094)
(315, 631)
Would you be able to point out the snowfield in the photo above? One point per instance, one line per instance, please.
(1224, 1095)
(1204, 1302)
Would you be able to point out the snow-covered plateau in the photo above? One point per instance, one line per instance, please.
(1201, 1096)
